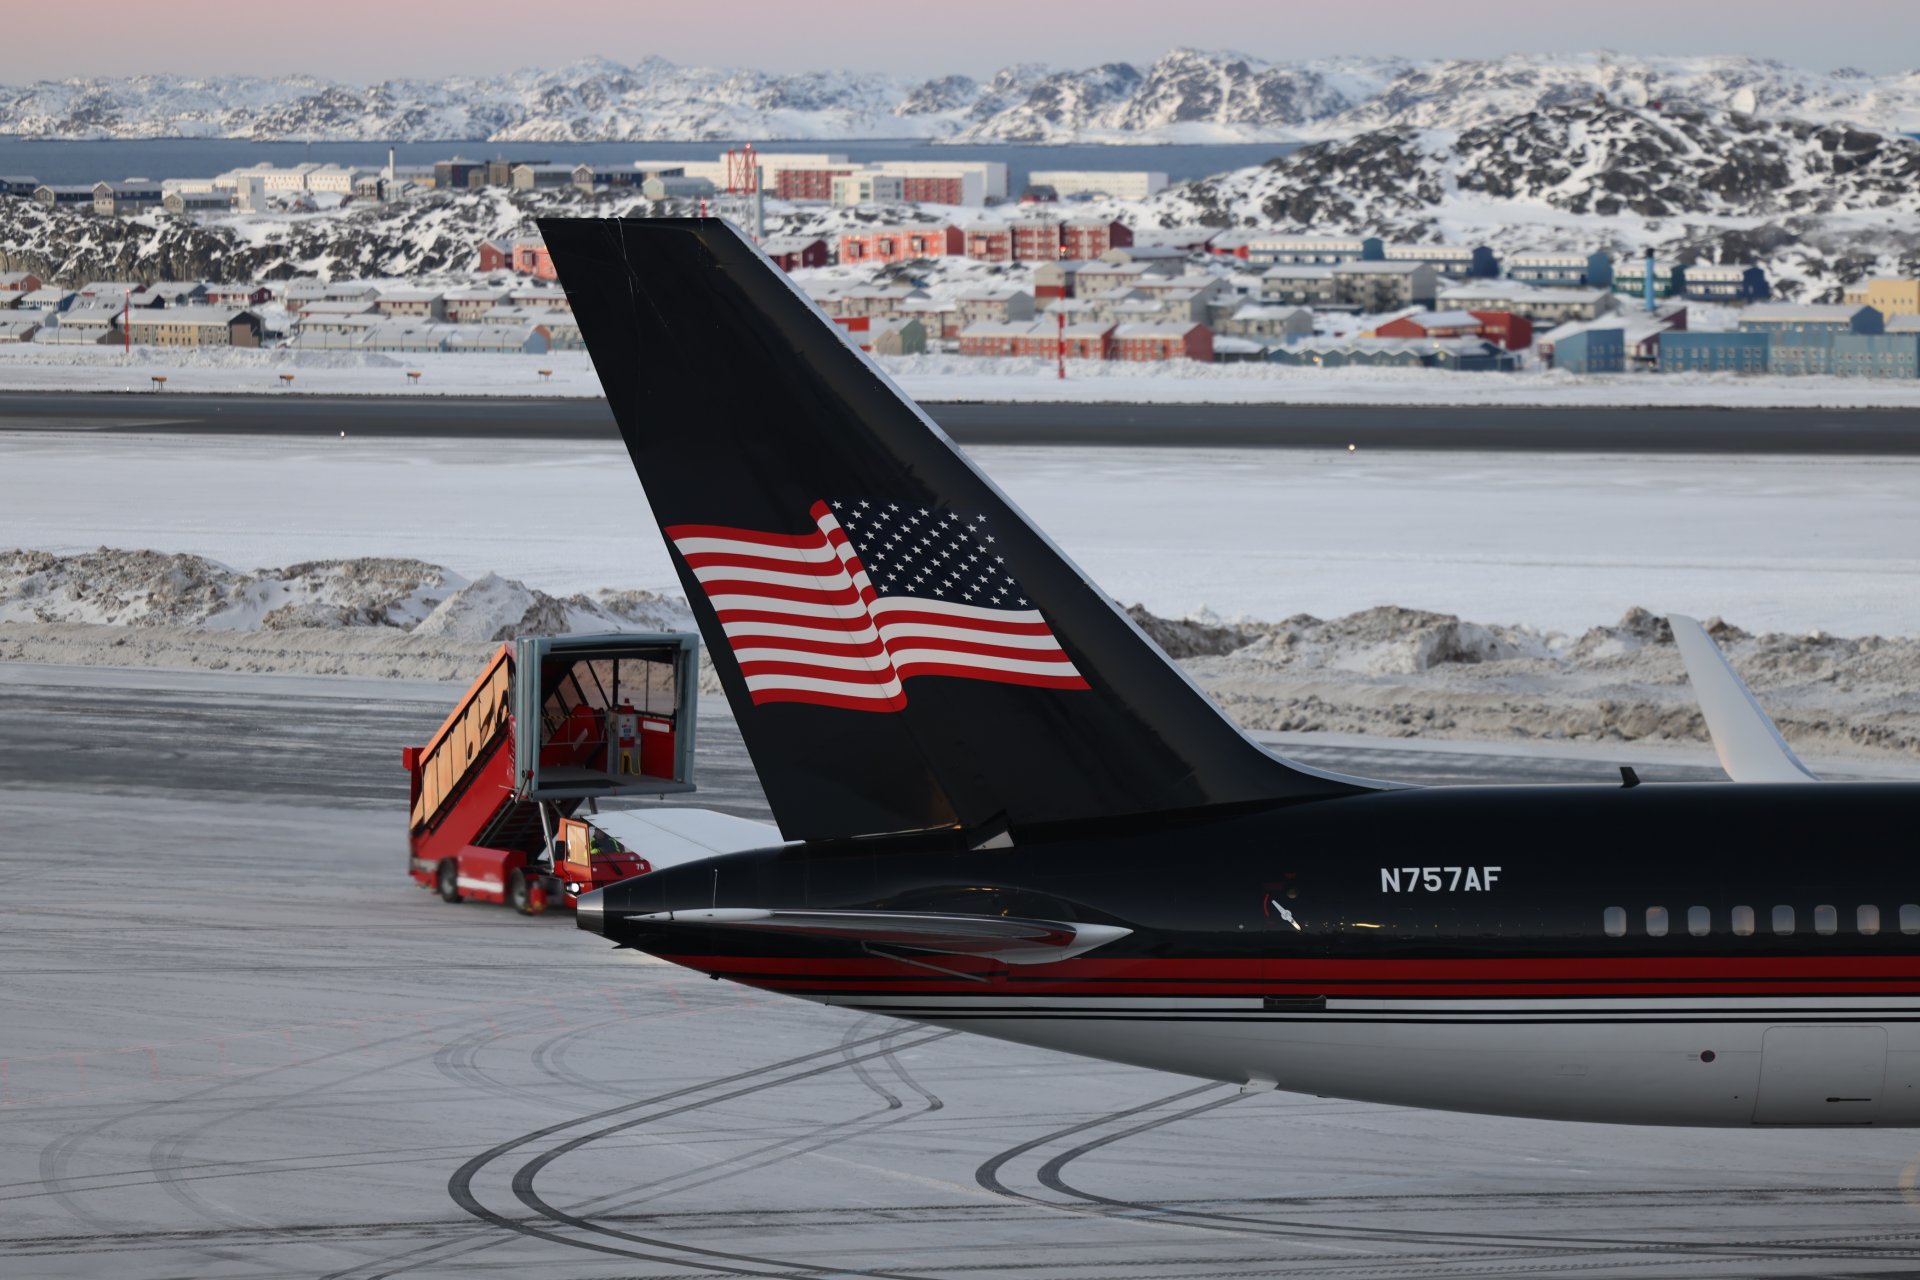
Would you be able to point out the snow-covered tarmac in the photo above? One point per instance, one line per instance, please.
(1553, 541)
(238, 1043)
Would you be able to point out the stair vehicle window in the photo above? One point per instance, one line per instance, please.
(1783, 921)
(1614, 921)
(1656, 922)
(1699, 921)
(1825, 920)
(1867, 920)
(1743, 922)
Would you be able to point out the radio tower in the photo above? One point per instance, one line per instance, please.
(743, 185)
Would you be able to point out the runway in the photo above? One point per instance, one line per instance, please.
(235, 1041)
(1829, 432)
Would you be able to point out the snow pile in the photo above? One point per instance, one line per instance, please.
(153, 589)
(1406, 672)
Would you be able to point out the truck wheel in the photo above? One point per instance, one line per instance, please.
(449, 880)
(520, 893)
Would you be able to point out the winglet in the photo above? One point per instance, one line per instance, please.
(1749, 746)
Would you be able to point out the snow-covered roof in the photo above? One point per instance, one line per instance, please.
(412, 295)
(1229, 343)
(1520, 291)
(1269, 311)
(12, 280)
(1444, 319)
(789, 244)
(1378, 268)
(1903, 324)
(1297, 271)
(1158, 329)
(993, 293)
(1000, 328)
(1712, 271)
(1805, 312)
(200, 316)
(1455, 346)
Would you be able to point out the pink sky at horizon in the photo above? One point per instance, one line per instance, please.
(360, 40)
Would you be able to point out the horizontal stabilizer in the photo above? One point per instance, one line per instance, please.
(669, 836)
(999, 938)
(1749, 746)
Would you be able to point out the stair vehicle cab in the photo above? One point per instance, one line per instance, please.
(554, 725)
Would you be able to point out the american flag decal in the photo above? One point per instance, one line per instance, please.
(876, 593)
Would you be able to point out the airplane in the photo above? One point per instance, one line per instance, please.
(1001, 808)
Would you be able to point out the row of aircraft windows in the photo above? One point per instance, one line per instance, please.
(1826, 920)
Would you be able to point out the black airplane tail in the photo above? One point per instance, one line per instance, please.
(902, 649)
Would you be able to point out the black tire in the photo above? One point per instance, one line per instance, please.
(449, 880)
(519, 895)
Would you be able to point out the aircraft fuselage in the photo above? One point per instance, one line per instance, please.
(1697, 955)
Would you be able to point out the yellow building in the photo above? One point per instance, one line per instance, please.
(1890, 297)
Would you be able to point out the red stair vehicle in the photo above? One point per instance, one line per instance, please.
(553, 723)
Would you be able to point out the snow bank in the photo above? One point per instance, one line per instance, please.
(153, 589)
(1381, 671)
(931, 378)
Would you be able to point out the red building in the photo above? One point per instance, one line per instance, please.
(495, 255)
(1513, 332)
(990, 242)
(20, 282)
(1163, 341)
(233, 295)
(881, 245)
(1087, 238)
(931, 190)
(806, 184)
(530, 258)
(1036, 240)
(1088, 341)
(789, 252)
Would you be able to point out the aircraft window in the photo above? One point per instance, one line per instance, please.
(1825, 920)
(1656, 922)
(1743, 922)
(1699, 921)
(1909, 918)
(1614, 921)
(1783, 920)
(1867, 920)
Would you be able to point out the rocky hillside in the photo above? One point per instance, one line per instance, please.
(1823, 203)
(1186, 96)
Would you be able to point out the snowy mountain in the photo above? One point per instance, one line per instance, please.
(1822, 203)
(1186, 96)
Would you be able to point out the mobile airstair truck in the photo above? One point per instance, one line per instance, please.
(553, 725)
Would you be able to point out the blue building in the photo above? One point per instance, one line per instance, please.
(18, 184)
(1803, 334)
(1592, 351)
(1876, 355)
(1741, 282)
(1592, 270)
(1682, 352)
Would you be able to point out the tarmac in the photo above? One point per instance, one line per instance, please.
(236, 1041)
(1826, 432)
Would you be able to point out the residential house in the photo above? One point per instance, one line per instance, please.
(1538, 304)
(192, 202)
(1174, 340)
(1371, 286)
(57, 195)
(1460, 261)
(412, 304)
(115, 199)
(1307, 250)
(879, 246)
(1571, 270)
(1274, 323)
(238, 295)
(464, 306)
(1710, 352)
(996, 303)
(996, 337)
(498, 339)
(791, 252)
(1889, 296)
(1299, 286)
(194, 326)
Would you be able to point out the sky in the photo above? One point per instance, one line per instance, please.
(365, 40)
